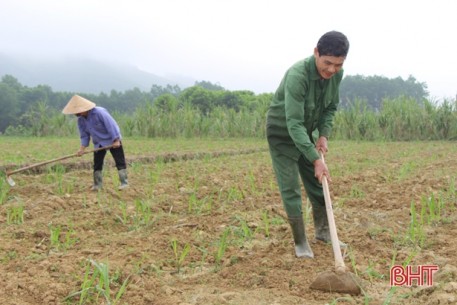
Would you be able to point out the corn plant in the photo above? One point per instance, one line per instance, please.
(277, 220)
(366, 297)
(433, 208)
(220, 194)
(198, 206)
(204, 252)
(136, 166)
(416, 232)
(124, 218)
(143, 214)
(70, 239)
(371, 272)
(356, 192)
(208, 203)
(140, 265)
(9, 256)
(205, 204)
(15, 214)
(69, 187)
(96, 283)
(154, 175)
(4, 188)
(430, 209)
(307, 215)
(244, 231)
(55, 238)
(55, 175)
(222, 246)
(234, 194)
(352, 260)
(191, 202)
(251, 182)
(179, 256)
(373, 232)
(231, 195)
(406, 169)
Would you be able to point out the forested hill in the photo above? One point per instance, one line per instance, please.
(82, 75)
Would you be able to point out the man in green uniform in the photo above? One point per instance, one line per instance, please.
(299, 122)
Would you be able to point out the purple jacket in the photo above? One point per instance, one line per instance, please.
(99, 125)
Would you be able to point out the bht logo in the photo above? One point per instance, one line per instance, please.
(404, 276)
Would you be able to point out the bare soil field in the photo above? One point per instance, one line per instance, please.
(210, 229)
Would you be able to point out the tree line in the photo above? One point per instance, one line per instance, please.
(389, 110)
(375, 89)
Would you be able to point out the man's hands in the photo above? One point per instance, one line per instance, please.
(81, 151)
(321, 145)
(116, 143)
(320, 168)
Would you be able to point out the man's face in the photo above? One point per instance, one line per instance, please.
(327, 66)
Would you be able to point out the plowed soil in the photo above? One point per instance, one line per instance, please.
(226, 209)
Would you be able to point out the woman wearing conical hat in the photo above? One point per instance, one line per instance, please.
(95, 122)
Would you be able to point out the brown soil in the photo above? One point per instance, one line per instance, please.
(195, 202)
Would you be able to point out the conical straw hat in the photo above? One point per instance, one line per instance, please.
(78, 104)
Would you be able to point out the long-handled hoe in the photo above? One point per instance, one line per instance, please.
(339, 280)
(9, 173)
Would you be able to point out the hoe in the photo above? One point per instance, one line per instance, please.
(339, 280)
(9, 173)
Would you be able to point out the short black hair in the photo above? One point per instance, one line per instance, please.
(333, 43)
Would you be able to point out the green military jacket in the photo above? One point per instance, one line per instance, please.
(302, 104)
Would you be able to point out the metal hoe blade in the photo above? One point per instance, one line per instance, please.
(10, 180)
(333, 281)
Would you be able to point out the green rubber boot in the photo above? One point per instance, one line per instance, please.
(123, 179)
(302, 248)
(321, 228)
(98, 181)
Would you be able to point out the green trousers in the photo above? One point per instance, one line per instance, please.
(287, 172)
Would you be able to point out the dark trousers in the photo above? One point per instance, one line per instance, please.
(118, 156)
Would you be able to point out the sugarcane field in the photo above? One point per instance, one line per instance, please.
(202, 222)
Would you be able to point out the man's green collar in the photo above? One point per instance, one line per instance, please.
(313, 69)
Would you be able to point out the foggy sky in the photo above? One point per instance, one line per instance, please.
(241, 44)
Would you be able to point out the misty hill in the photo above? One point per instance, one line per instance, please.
(83, 75)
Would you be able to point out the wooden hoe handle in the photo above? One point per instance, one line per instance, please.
(8, 173)
(339, 262)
